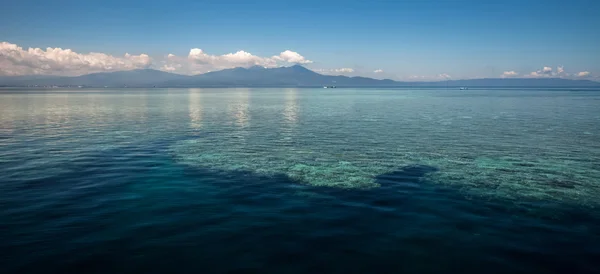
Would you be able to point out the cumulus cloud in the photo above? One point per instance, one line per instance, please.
(15, 60)
(583, 74)
(536, 74)
(444, 76)
(237, 59)
(378, 71)
(245, 59)
(547, 70)
(508, 74)
(291, 57)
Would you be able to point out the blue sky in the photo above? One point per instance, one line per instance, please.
(417, 39)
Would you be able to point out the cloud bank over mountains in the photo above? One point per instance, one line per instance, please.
(335, 71)
(16, 60)
(546, 72)
(198, 61)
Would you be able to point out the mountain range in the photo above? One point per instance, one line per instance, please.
(294, 76)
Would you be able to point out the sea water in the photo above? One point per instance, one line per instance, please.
(300, 180)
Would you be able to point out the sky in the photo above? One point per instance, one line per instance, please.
(400, 40)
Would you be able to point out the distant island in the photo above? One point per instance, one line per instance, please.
(294, 76)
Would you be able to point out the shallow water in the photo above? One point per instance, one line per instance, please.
(299, 180)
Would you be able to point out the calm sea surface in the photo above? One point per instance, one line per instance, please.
(299, 181)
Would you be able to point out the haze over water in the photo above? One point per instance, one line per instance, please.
(300, 180)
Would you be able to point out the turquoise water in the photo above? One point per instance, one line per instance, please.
(300, 180)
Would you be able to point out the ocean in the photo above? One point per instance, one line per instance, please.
(300, 181)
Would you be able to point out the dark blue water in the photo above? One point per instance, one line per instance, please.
(299, 181)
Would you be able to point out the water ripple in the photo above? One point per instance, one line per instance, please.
(296, 181)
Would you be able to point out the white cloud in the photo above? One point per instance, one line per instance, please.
(335, 71)
(547, 70)
(170, 68)
(15, 60)
(444, 76)
(439, 77)
(238, 59)
(292, 57)
(508, 74)
(583, 74)
(536, 74)
(344, 70)
(378, 71)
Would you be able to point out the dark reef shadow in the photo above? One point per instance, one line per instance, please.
(338, 221)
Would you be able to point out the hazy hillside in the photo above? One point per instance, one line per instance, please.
(296, 76)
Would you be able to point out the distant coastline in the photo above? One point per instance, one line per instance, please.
(258, 77)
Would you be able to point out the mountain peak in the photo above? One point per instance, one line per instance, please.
(298, 67)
